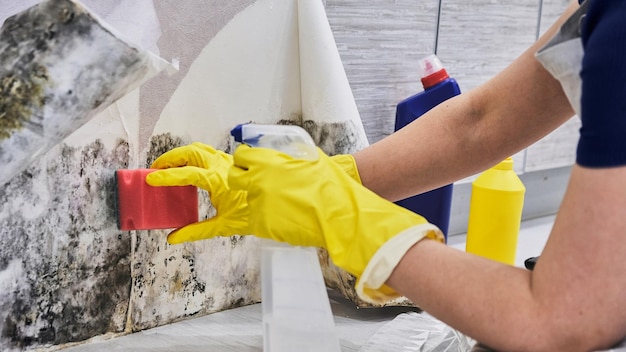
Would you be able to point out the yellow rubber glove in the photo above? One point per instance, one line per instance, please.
(315, 203)
(205, 167)
(348, 165)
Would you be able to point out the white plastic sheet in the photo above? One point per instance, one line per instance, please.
(420, 332)
(417, 332)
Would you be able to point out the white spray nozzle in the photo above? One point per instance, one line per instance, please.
(429, 65)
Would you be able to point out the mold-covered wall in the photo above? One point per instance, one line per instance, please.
(64, 269)
(67, 274)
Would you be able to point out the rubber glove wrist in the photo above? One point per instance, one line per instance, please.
(347, 163)
(371, 285)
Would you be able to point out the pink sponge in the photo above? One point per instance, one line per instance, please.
(144, 207)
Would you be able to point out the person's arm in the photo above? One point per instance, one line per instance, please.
(470, 132)
(572, 301)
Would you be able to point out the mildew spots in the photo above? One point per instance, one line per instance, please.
(66, 263)
(172, 282)
(333, 138)
(20, 96)
(160, 144)
(28, 38)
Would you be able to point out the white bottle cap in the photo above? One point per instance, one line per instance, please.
(432, 71)
(429, 65)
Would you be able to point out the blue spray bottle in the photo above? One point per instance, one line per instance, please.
(438, 87)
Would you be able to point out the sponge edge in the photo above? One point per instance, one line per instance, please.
(144, 207)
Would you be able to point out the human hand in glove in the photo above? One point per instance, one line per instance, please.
(347, 163)
(316, 203)
(203, 166)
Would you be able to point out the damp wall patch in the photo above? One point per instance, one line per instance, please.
(173, 282)
(65, 267)
(68, 274)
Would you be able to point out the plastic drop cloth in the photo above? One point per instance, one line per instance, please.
(420, 332)
(619, 348)
(417, 332)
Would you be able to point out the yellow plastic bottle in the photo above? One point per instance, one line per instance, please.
(495, 213)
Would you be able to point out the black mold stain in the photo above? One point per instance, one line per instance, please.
(152, 245)
(236, 285)
(160, 144)
(57, 222)
(29, 37)
(165, 274)
(32, 43)
(190, 283)
(333, 138)
(236, 240)
(19, 97)
(151, 284)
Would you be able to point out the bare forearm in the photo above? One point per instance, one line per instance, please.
(573, 299)
(436, 149)
(486, 300)
(504, 307)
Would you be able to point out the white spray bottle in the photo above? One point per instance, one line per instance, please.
(296, 309)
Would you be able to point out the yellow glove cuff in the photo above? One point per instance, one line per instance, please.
(371, 285)
(347, 163)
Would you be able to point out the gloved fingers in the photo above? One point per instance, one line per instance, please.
(246, 159)
(238, 179)
(195, 154)
(182, 176)
(206, 229)
(238, 176)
